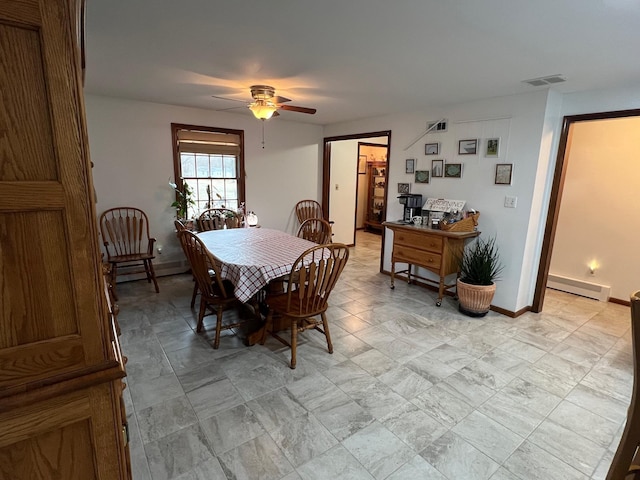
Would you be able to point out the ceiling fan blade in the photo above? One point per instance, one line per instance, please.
(293, 108)
(275, 114)
(229, 99)
(279, 99)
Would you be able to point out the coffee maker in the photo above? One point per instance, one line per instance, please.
(412, 205)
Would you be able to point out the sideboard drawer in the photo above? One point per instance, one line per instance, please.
(432, 243)
(433, 250)
(417, 257)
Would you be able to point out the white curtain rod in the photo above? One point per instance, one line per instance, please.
(489, 119)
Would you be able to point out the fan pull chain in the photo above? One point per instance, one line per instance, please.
(263, 133)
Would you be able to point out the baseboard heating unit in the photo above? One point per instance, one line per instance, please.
(579, 287)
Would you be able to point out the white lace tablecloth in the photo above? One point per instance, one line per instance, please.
(252, 257)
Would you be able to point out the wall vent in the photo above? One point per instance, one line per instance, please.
(579, 287)
(549, 80)
(441, 127)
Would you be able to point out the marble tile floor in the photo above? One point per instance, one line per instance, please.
(411, 391)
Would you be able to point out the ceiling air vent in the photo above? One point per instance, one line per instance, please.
(441, 127)
(542, 81)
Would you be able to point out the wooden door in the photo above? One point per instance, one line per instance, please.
(52, 319)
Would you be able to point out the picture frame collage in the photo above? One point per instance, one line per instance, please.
(488, 148)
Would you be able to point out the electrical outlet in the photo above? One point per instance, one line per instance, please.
(510, 202)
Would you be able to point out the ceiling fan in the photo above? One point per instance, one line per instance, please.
(266, 103)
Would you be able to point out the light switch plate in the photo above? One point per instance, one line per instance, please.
(510, 202)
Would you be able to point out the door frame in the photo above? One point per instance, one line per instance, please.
(556, 196)
(326, 171)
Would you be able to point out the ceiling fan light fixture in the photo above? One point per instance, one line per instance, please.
(263, 109)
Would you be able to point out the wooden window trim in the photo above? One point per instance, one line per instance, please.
(177, 167)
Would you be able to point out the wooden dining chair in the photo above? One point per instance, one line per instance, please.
(125, 233)
(179, 228)
(306, 209)
(623, 465)
(217, 219)
(216, 294)
(312, 278)
(315, 230)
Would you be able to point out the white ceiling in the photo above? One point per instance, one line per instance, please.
(354, 59)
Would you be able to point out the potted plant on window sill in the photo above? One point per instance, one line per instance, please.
(480, 267)
(184, 200)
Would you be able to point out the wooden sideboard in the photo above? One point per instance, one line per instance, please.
(434, 250)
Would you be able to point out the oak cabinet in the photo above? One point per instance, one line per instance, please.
(60, 362)
(434, 250)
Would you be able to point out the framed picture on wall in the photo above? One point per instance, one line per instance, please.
(422, 176)
(503, 173)
(410, 165)
(404, 187)
(492, 148)
(432, 149)
(468, 147)
(437, 168)
(453, 170)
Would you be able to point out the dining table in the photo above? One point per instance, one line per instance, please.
(252, 257)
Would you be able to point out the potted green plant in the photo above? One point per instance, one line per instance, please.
(184, 200)
(479, 267)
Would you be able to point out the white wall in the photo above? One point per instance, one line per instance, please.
(518, 121)
(130, 146)
(601, 101)
(540, 198)
(598, 207)
(342, 189)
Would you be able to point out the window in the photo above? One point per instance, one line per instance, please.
(211, 162)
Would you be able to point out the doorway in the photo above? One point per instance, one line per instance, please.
(340, 182)
(371, 204)
(554, 213)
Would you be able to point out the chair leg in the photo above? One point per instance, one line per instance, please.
(268, 323)
(216, 341)
(294, 341)
(194, 294)
(325, 327)
(153, 276)
(114, 273)
(627, 446)
(203, 307)
(146, 270)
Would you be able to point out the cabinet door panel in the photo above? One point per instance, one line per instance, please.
(49, 258)
(37, 301)
(64, 453)
(70, 437)
(27, 144)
